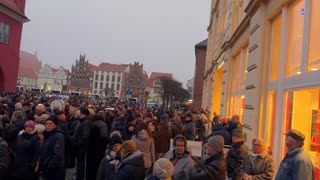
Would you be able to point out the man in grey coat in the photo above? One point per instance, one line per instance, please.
(296, 164)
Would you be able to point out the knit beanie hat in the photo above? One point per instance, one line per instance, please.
(163, 169)
(30, 124)
(54, 119)
(128, 147)
(216, 142)
(115, 140)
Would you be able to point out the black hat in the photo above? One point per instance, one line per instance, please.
(58, 113)
(164, 117)
(115, 140)
(54, 119)
(297, 135)
(85, 111)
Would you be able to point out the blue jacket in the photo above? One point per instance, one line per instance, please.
(27, 155)
(296, 165)
(52, 154)
(218, 129)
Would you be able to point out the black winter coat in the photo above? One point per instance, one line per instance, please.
(13, 132)
(27, 155)
(97, 148)
(189, 130)
(235, 158)
(4, 158)
(82, 135)
(52, 154)
(213, 168)
(131, 168)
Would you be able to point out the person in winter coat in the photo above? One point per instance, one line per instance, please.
(259, 164)
(162, 144)
(129, 131)
(4, 155)
(236, 155)
(72, 125)
(296, 164)
(218, 129)
(145, 144)
(213, 166)
(189, 130)
(131, 166)
(98, 144)
(16, 126)
(162, 170)
(181, 159)
(81, 141)
(52, 152)
(176, 125)
(113, 155)
(27, 153)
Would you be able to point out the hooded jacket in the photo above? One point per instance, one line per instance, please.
(182, 164)
(145, 144)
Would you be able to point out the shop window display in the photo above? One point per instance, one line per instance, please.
(303, 114)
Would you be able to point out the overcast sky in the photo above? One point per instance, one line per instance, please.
(160, 34)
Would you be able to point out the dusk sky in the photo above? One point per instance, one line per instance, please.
(160, 34)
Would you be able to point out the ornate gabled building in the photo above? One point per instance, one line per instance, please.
(134, 81)
(81, 76)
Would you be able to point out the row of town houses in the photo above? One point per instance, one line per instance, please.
(105, 79)
(261, 60)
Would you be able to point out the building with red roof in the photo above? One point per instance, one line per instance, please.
(12, 17)
(154, 84)
(29, 67)
(108, 79)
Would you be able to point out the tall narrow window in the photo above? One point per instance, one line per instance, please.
(235, 72)
(4, 33)
(275, 48)
(244, 68)
(314, 37)
(296, 24)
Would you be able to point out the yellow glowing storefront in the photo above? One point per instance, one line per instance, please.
(293, 100)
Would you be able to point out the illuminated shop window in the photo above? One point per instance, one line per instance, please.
(275, 48)
(303, 113)
(296, 24)
(314, 37)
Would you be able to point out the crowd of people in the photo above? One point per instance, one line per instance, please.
(94, 142)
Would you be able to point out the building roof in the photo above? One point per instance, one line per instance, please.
(54, 70)
(92, 67)
(157, 75)
(27, 72)
(29, 65)
(28, 60)
(202, 43)
(112, 67)
(13, 6)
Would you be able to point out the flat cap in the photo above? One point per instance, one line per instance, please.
(295, 134)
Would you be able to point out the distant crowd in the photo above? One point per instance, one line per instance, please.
(97, 139)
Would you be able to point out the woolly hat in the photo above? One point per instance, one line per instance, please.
(30, 123)
(164, 116)
(85, 111)
(128, 147)
(238, 132)
(115, 140)
(149, 115)
(216, 142)
(54, 119)
(180, 137)
(163, 169)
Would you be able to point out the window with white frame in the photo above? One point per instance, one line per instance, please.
(275, 48)
(314, 37)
